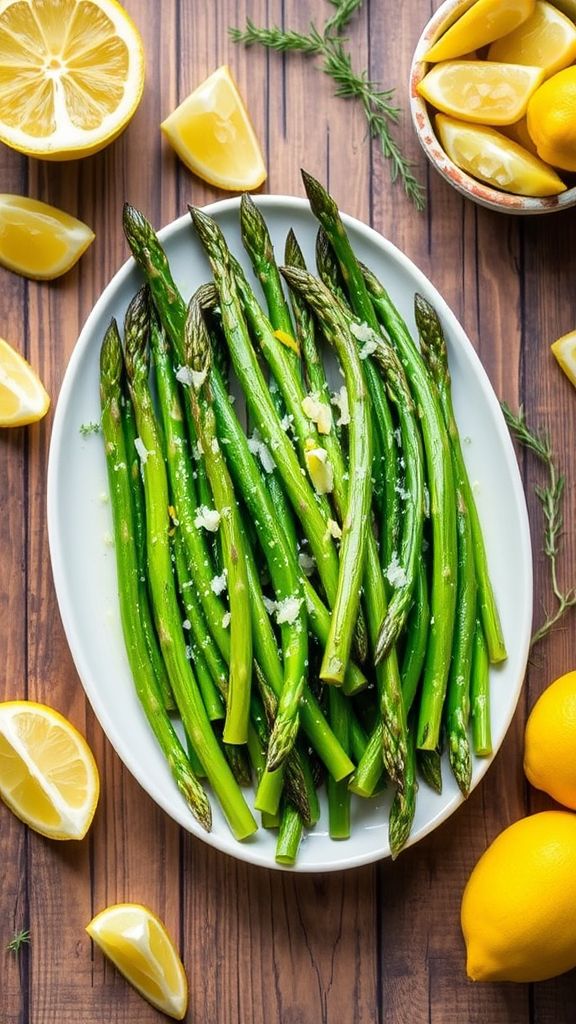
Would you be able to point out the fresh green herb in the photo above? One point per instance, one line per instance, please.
(378, 106)
(551, 498)
(89, 428)
(18, 940)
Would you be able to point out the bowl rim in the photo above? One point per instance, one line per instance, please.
(491, 198)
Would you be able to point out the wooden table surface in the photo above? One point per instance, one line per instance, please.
(377, 944)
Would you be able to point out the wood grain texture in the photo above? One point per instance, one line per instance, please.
(380, 945)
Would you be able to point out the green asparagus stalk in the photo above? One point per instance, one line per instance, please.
(404, 803)
(430, 767)
(403, 572)
(442, 516)
(458, 695)
(305, 331)
(434, 344)
(165, 602)
(130, 434)
(129, 573)
(198, 361)
(326, 211)
(480, 694)
(384, 470)
(289, 836)
(180, 465)
(354, 530)
(414, 654)
(258, 245)
(338, 792)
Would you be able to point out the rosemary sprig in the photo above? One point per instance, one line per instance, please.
(551, 499)
(345, 9)
(377, 104)
(18, 940)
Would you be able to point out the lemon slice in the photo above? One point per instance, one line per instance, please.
(491, 157)
(22, 397)
(485, 21)
(71, 75)
(480, 91)
(38, 240)
(564, 350)
(546, 40)
(48, 776)
(138, 944)
(212, 133)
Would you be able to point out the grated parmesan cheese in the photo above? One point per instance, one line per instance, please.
(219, 583)
(226, 620)
(365, 334)
(394, 573)
(142, 450)
(194, 378)
(207, 518)
(340, 400)
(259, 449)
(288, 610)
(318, 412)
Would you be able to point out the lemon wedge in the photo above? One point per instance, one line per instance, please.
(490, 156)
(39, 240)
(137, 943)
(48, 776)
(212, 134)
(22, 397)
(547, 39)
(564, 350)
(71, 75)
(480, 91)
(485, 21)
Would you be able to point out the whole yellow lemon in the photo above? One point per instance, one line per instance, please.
(551, 119)
(518, 909)
(550, 741)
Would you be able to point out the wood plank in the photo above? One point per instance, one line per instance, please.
(14, 444)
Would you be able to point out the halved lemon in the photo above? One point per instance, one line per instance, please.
(213, 135)
(71, 75)
(491, 157)
(483, 22)
(564, 350)
(38, 240)
(22, 396)
(481, 91)
(48, 775)
(547, 39)
(137, 943)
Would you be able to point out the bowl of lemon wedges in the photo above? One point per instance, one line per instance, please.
(493, 101)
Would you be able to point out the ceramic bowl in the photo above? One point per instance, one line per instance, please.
(494, 199)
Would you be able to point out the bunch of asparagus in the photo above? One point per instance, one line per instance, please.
(309, 594)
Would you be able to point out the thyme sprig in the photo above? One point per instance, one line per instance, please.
(18, 940)
(377, 104)
(551, 499)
